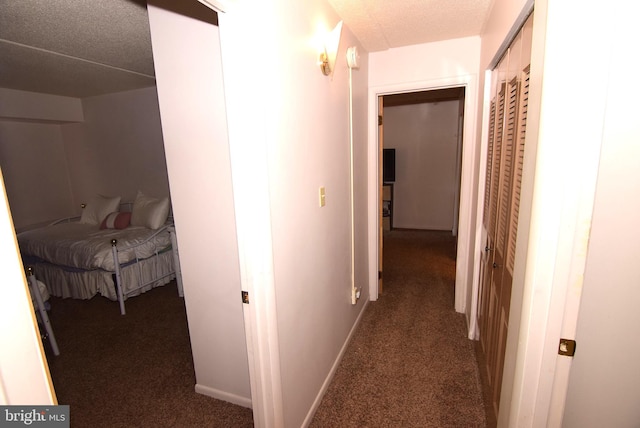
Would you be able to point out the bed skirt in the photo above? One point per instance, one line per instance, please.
(86, 284)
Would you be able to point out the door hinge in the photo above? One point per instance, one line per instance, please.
(567, 347)
(379, 120)
(379, 274)
(245, 297)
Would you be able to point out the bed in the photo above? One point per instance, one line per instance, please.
(110, 250)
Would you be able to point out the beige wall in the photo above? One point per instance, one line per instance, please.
(425, 137)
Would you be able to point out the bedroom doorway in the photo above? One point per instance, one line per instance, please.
(83, 140)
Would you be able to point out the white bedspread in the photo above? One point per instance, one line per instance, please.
(84, 246)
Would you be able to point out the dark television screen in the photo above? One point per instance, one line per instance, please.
(389, 165)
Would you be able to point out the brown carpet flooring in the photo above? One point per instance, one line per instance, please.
(134, 370)
(408, 365)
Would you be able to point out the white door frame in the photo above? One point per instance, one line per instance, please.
(466, 223)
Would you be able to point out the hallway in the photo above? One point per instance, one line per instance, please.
(410, 362)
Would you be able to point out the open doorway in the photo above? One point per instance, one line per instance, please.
(420, 153)
(466, 265)
(73, 126)
(119, 129)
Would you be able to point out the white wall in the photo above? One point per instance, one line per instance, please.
(559, 189)
(35, 106)
(32, 154)
(34, 164)
(604, 383)
(430, 66)
(284, 147)
(312, 247)
(51, 167)
(186, 54)
(425, 137)
(118, 149)
(423, 63)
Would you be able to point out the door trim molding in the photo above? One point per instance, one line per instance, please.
(466, 223)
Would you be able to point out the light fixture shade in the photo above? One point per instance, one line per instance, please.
(331, 46)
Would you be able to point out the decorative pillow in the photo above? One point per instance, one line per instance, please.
(97, 209)
(116, 220)
(149, 212)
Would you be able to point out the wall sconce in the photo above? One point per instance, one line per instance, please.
(327, 59)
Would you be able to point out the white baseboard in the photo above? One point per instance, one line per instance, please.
(332, 372)
(224, 396)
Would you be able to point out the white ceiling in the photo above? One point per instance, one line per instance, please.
(82, 48)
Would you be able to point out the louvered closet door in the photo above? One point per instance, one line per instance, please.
(503, 277)
(503, 178)
(492, 189)
(486, 269)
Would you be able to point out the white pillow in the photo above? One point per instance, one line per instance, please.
(98, 208)
(149, 212)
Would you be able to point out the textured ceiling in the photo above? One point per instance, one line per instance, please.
(82, 48)
(385, 24)
(76, 48)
